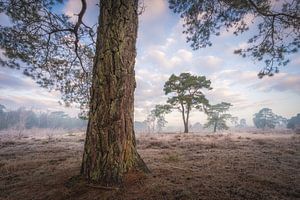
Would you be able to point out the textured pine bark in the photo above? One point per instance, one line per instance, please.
(110, 149)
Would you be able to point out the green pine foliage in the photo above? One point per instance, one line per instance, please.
(276, 29)
(186, 93)
(217, 116)
(294, 122)
(265, 118)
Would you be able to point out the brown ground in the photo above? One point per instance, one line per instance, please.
(184, 166)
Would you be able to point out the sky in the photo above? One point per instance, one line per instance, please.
(161, 51)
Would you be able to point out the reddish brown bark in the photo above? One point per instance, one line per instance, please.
(110, 149)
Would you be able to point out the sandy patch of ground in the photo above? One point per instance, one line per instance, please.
(184, 166)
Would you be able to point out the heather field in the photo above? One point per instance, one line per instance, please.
(229, 165)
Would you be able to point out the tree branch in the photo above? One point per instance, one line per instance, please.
(270, 14)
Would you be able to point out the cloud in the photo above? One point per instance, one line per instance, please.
(153, 10)
(295, 61)
(171, 61)
(185, 55)
(18, 90)
(35, 102)
(210, 63)
(9, 81)
(149, 91)
(226, 94)
(15, 101)
(249, 20)
(155, 23)
(236, 76)
(280, 82)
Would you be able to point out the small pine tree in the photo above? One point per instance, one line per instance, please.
(217, 116)
(265, 118)
(186, 92)
(294, 122)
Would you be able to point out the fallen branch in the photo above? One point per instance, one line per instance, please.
(102, 187)
(184, 169)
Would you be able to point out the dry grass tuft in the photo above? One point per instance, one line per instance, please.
(174, 157)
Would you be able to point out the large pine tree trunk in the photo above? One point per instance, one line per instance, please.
(110, 149)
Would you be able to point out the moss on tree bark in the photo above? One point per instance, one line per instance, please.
(110, 149)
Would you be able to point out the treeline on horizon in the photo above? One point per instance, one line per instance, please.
(23, 118)
(263, 119)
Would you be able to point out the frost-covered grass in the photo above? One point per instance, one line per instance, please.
(226, 165)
